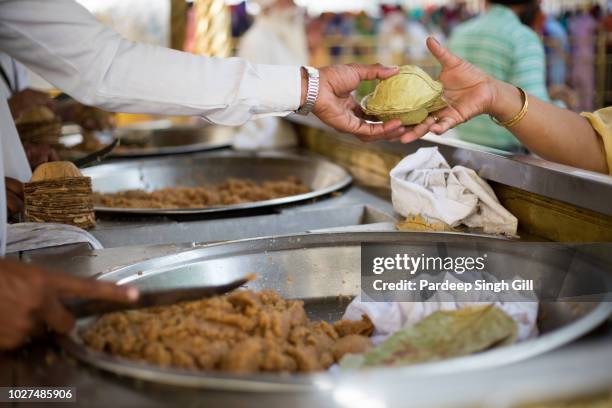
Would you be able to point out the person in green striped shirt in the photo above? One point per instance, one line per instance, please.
(500, 43)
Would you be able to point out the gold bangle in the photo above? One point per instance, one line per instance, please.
(519, 116)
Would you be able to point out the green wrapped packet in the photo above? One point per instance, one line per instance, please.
(409, 96)
(441, 335)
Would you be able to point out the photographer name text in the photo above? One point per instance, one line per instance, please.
(476, 286)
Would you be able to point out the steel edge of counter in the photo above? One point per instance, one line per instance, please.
(582, 188)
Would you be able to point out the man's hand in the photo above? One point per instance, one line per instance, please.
(14, 196)
(90, 118)
(30, 300)
(38, 154)
(467, 90)
(336, 106)
(26, 100)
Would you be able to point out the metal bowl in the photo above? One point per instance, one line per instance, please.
(320, 175)
(324, 271)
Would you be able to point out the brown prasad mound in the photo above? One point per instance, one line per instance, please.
(231, 191)
(242, 332)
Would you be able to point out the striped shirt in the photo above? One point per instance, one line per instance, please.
(498, 43)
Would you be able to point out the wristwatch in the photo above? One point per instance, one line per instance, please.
(312, 91)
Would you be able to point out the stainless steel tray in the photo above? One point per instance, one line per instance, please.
(171, 140)
(157, 138)
(324, 271)
(322, 176)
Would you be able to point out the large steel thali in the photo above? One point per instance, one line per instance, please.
(157, 138)
(320, 175)
(165, 140)
(324, 271)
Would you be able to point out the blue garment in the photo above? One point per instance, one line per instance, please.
(557, 49)
(499, 44)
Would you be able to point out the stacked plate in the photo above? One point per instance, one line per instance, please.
(39, 125)
(63, 199)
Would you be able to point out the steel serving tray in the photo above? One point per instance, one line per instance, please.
(158, 138)
(324, 271)
(175, 139)
(320, 175)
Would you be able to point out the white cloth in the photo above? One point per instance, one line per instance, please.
(389, 317)
(27, 236)
(13, 156)
(14, 161)
(265, 133)
(424, 184)
(63, 43)
(277, 37)
(17, 75)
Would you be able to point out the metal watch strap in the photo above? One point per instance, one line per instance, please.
(312, 91)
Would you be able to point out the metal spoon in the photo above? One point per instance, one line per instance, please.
(96, 156)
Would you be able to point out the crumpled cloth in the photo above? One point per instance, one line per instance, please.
(424, 184)
(389, 317)
(27, 236)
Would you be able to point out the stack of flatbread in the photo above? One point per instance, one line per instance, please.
(59, 193)
(39, 125)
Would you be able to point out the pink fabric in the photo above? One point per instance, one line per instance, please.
(583, 30)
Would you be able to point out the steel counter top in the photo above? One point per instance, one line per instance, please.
(582, 188)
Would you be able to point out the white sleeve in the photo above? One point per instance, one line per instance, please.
(62, 42)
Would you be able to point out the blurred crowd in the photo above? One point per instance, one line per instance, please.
(568, 62)
(397, 36)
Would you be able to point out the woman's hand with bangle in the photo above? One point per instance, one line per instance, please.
(468, 91)
(549, 131)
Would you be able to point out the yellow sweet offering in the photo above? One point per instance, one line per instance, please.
(409, 96)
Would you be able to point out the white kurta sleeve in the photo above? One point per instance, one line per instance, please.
(62, 42)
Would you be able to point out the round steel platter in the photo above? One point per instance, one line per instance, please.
(320, 175)
(324, 271)
(171, 140)
(155, 139)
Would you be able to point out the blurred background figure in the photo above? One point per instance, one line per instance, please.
(501, 43)
(416, 34)
(583, 29)
(606, 30)
(562, 52)
(277, 36)
(392, 36)
(315, 34)
(557, 50)
(556, 45)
